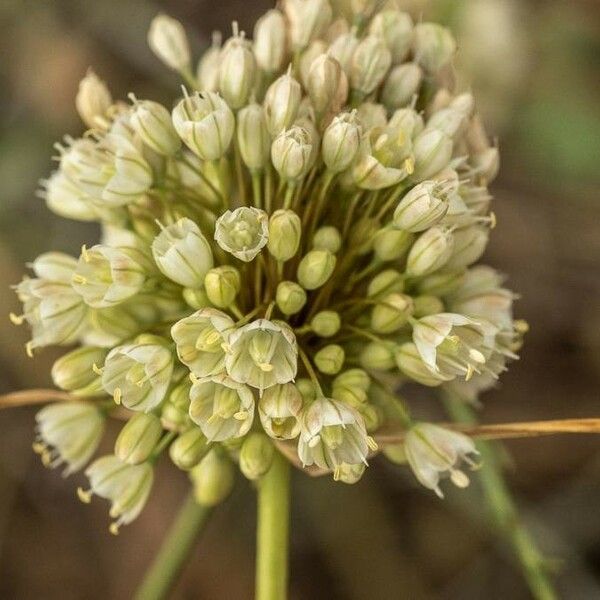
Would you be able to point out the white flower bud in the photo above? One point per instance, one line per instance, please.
(386, 282)
(315, 268)
(243, 232)
(207, 72)
(469, 246)
(391, 244)
(152, 122)
(253, 137)
(432, 151)
(292, 152)
(205, 123)
(330, 359)
(407, 120)
(290, 297)
(138, 438)
(167, 39)
(182, 253)
(222, 285)
(67, 200)
(282, 102)
(200, 339)
(422, 207)
(341, 142)
(326, 323)
(391, 313)
(433, 46)
(189, 449)
(237, 71)
(396, 28)
(256, 456)
(285, 230)
(327, 238)
(430, 252)
(213, 479)
(221, 407)
(343, 48)
(372, 115)
(450, 121)
(401, 85)
(322, 81)
(279, 409)
(370, 64)
(307, 20)
(270, 41)
(308, 56)
(68, 432)
(433, 452)
(93, 99)
(74, 371)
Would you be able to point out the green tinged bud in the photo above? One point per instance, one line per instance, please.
(430, 252)
(189, 449)
(306, 388)
(392, 313)
(386, 282)
(341, 142)
(441, 284)
(307, 20)
(427, 305)
(292, 153)
(285, 230)
(74, 371)
(138, 438)
(174, 413)
(370, 64)
(290, 297)
(315, 268)
(395, 453)
(167, 39)
(152, 122)
(433, 46)
(222, 285)
(469, 245)
(351, 387)
(377, 356)
(392, 244)
(342, 49)
(326, 323)
(432, 151)
(323, 81)
(253, 137)
(270, 43)
(409, 361)
(424, 206)
(237, 70)
(196, 298)
(396, 28)
(213, 478)
(401, 85)
(330, 359)
(349, 474)
(207, 72)
(327, 238)
(256, 456)
(282, 102)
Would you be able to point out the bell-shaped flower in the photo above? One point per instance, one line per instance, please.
(69, 433)
(331, 434)
(201, 339)
(126, 486)
(106, 276)
(67, 200)
(434, 452)
(243, 232)
(422, 207)
(279, 410)
(182, 253)
(221, 407)
(262, 354)
(138, 374)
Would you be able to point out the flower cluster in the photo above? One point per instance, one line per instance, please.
(282, 248)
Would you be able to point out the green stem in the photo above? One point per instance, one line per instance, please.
(174, 551)
(503, 509)
(272, 534)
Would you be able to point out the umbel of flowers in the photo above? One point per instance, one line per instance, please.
(282, 248)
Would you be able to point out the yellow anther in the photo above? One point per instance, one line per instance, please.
(97, 369)
(85, 253)
(84, 495)
(266, 367)
(38, 447)
(493, 220)
(29, 349)
(521, 326)
(16, 319)
(372, 444)
(241, 415)
(46, 458)
(409, 165)
(117, 395)
(77, 278)
(114, 528)
(193, 378)
(337, 473)
(470, 372)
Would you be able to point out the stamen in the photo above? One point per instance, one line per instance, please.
(117, 395)
(459, 479)
(29, 349)
(98, 370)
(85, 253)
(372, 444)
(16, 319)
(84, 495)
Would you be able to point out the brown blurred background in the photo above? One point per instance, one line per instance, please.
(534, 69)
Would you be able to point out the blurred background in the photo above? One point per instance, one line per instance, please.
(533, 66)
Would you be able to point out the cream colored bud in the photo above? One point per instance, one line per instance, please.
(341, 142)
(282, 102)
(469, 245)
(138, 438)
(370, 64)
(256, 455)
(315, 268)
(213, 478)
(402, 84)
(327, 238)
(308, 56)
(430, 252)
(290, 297)
(450, 121)
(386, 282)
(343, 48)
(189, 449)
(427, 305)
(237, 71)
(74, 371)
(433, 46)
(152, 122)
(285, 230)
(270, 41)
(205, 123)
(93, 99)
(207, 72)
(377, 356)
(422, 207)
(322, 81)
(174, 411)
(392, 244)
(326, 323)
(330, 359)
(408, 120)
(222, 285)
(307, 20)
(396, 28)
(432, 152)
(292, 152)
(391, 313)
(167, 39)
(253, 137)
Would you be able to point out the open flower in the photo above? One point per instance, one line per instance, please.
(243, 232)
(279, 410)
(262, 354)
(201, 339)
(434, 452)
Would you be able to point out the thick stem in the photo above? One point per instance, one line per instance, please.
(272, 532)
(174, 551)
(503, 510)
